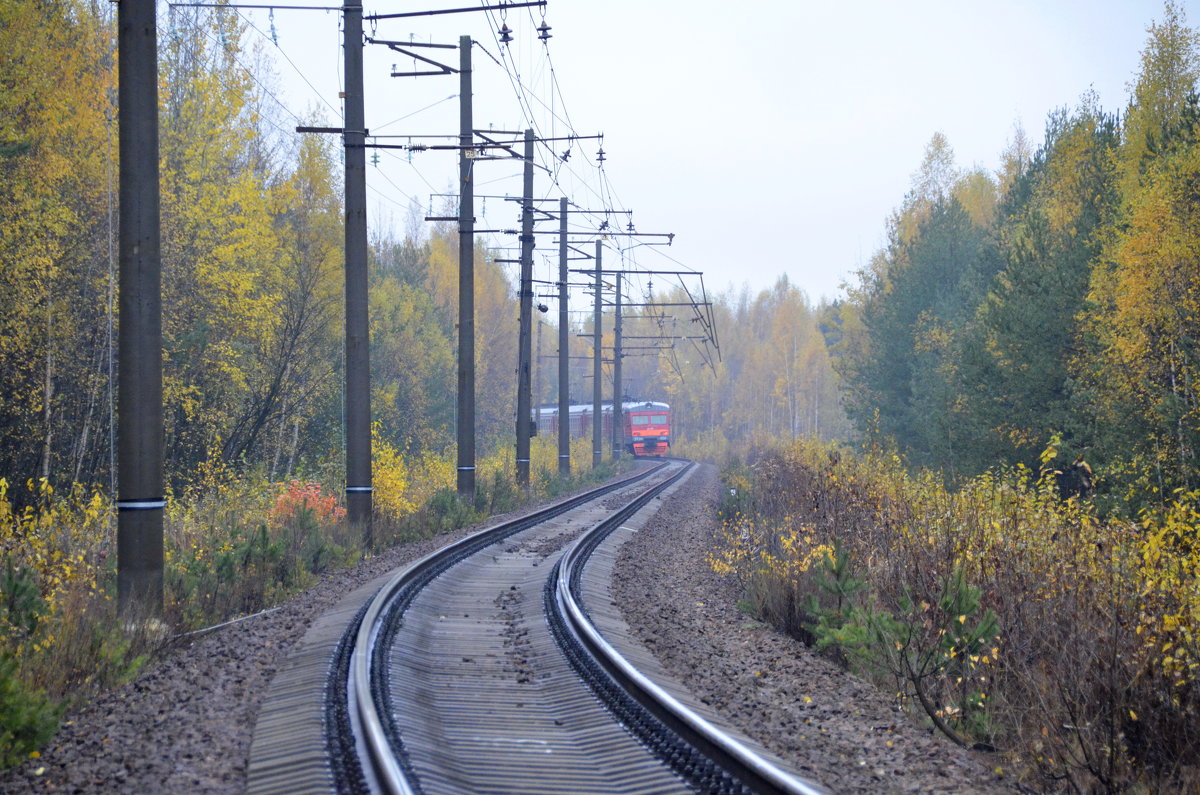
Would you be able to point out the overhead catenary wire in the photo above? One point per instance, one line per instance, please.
(406, 116)
(531, 72)
(337, 111)
(247, 70)
(526, 97)
(526, 106)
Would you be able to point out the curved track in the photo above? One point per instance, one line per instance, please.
(480, 669)
(708, 757)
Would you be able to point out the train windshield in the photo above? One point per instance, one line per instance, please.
(659, 419)
(639, 419)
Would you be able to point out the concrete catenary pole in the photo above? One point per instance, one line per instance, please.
(466, 279)
(597, 356)
(139, 377)
(618, 428)
(358, 365)
(539, 377)
(524, 340)
(564, 402)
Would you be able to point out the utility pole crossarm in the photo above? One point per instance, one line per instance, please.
(328, 130)
(507, 147)
(656, 305)
(498, 7)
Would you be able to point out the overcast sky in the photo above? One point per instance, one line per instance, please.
(771, 137)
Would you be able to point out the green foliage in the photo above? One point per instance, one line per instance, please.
(938, 653)
(839, 625)
(22, 603)
(448, 511)
(28, 719)
(931, 654)
(239, 544)
(1018, 356)
(736, 499)
(496, 494)
(1066, 304)
(837, 583)
(916, 304)
(412, 361)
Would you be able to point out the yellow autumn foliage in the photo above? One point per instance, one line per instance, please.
(65, 539)
(1099, 620)
(390, 474)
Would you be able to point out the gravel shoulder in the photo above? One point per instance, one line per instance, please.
(185, 723)
(838, 730)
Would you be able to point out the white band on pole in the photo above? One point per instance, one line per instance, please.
(140, 505)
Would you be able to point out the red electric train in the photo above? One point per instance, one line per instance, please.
(645, 424)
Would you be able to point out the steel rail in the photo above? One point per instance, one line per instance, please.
(732, 756)
(384, 764)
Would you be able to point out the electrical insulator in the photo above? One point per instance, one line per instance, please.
(505, 34)
(544, 31)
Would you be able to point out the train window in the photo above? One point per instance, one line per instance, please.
(639, 419)
(659, 419)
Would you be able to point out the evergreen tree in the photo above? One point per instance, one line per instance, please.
(1018, 359)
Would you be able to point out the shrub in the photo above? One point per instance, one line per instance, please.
(243, 543)
(448, 511)
(299, 497)
(28, 718)
(1001, 613)
(391, 478)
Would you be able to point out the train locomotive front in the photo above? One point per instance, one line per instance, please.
(647, 428)
(645, 425)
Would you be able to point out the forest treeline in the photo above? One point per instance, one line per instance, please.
(252, 220)
(1056, 299)
(1052, 300)
(1047, 309)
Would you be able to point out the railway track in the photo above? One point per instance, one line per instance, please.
(500, 664)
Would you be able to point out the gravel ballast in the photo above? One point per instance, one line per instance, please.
(186, 722)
